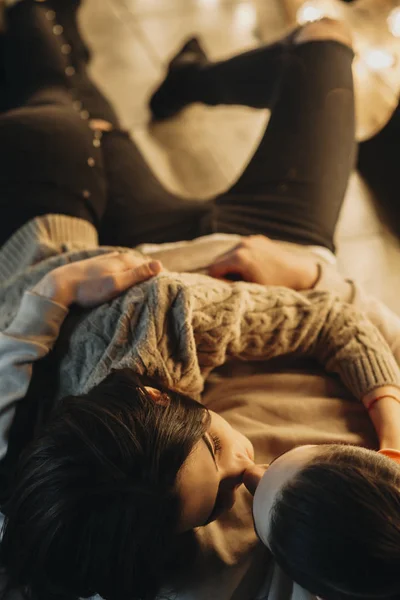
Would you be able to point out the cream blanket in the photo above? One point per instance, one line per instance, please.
(278, 405)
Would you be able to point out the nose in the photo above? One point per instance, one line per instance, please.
(252, 477)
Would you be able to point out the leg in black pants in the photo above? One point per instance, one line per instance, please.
(51, 161)
(280, 193)
(294, 186)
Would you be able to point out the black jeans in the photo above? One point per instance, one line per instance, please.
(52, 162)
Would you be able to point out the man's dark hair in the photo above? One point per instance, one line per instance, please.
(94, 508)
(335, 528)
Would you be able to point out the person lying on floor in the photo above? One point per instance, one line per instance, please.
(124, 468)
(132, 425)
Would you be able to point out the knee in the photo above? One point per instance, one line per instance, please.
(324, 30)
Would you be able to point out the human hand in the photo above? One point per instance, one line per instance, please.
(385, 414)
(96, 280)
(252, 477)
(258, 259)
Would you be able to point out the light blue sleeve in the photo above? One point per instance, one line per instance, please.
(29, 337)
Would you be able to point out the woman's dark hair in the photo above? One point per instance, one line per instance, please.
(94, 508)
(335, 528)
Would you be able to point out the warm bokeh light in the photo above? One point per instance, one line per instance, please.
(360, 68)
(209, 2)
(394, 22)
(245, 16)
(378, 59)
(308, 13)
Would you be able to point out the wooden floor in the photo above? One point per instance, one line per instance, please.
(204, 149)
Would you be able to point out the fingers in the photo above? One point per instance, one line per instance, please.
(231, 262)
(121, 281)
(147, 270)
(220, 269)
(128, 260)
(96, 290)
(252, 477)
(100, 258)
(114, 261)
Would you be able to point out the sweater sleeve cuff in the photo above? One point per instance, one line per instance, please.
(369, 372)
(38, 317)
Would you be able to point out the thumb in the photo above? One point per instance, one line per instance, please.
(223, 266)
(125, 279)
(252, 477)
(97, 290)
(144, 271)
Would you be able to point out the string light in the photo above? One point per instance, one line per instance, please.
(209, 2)
(360, 67)
(308, 13)
(245, 16)
(393, 21)
(378, 59)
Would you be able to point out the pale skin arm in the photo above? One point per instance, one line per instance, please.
(385, 416)
(95, 280)
(35, 328)
(260, 260)
(257, 259)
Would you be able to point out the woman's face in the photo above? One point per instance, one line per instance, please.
(219, 463)
(210, 476)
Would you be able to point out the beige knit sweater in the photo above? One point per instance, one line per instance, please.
(179, 327)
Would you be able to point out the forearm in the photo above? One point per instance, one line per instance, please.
(278, 321)
(29, 338)
(354, 348)
(385, 320)
(385, 415)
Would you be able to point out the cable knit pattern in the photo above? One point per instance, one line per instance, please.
(42, 238)
(178, 327)
(41, 245)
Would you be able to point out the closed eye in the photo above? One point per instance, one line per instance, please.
(216, 443)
